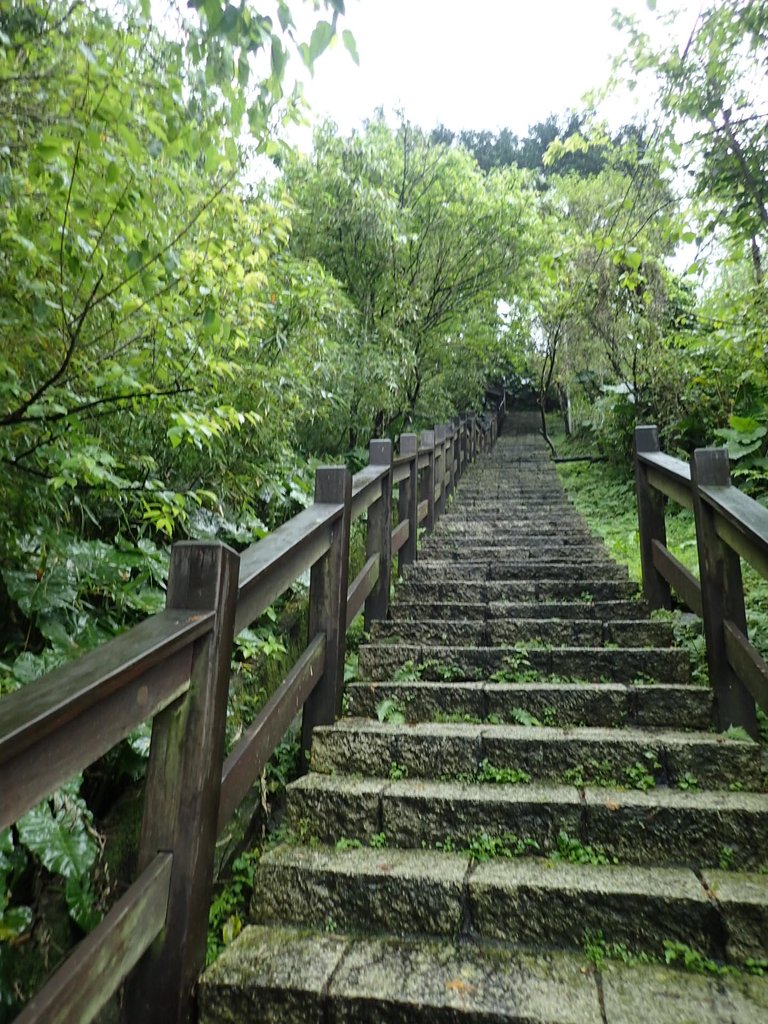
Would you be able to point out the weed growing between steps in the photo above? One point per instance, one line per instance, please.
(490, 773)
(675, 954)
(640, 775)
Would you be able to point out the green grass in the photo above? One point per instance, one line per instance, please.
(604, 494)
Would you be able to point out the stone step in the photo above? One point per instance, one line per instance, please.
(498, 632)
(511, 900)
(532, 554)
(281, 975)
(430, 750)
(403, 609)
(496, 570)
(659, 825)
(290, 976)
(614, 705)
(585, 590)
(540, 527)
(384, 661)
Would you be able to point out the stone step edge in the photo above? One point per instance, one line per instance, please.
(428, 750)
(723, 915)
(681, 706)
(310, 979)
(641, 826)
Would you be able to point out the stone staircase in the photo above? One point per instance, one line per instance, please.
(525, 814)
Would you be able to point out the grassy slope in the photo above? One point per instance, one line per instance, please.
(604, 494)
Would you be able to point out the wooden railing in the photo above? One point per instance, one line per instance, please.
(173, 669)
(729, 526)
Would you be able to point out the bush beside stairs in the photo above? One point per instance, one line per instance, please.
(526, 814)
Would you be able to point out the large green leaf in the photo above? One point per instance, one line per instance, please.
(60, 840)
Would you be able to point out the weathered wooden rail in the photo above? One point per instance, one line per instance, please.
(173, 669)
(729, 526)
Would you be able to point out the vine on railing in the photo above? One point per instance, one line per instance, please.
(729, 526)
(173, 669)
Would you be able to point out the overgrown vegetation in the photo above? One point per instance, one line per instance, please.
(183, 340)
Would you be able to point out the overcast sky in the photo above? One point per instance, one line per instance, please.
(476, 63)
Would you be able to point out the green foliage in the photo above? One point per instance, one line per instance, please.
(572, 851)
(522, 717)
(488, 772)
(483, 846)
(426, 246)
(230, 905)
(390, 710)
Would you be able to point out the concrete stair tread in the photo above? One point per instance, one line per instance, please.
(653, 705)
(402, 609)
(487, 632)
(513, 899)
(428, 750)
(283, 975)
(655, 826)
(379, 660)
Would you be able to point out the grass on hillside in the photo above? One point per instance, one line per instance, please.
(604, 494)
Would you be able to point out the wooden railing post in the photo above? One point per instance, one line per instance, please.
(440, 470)
(722, 593)
(379, 534)
(450, 457)
(408, 500)
(328, 581)
(651, 523)
(428, 478)
(183, 784)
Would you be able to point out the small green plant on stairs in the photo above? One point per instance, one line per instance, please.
(573, 851)
(398, 771)
(688, 781)
(522, 717)
(515, 668)
(597, 951)
(490, 773)
(390, 710)
(344, 844)
(409, 672)
(432, 668)
(484, 847)
(229, 907)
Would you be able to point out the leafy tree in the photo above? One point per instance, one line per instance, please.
(426, 246)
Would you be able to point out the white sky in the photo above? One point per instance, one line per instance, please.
(482, 64)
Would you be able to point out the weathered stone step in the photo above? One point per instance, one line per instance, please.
(437, 750)
(531, 554)
(504, 664)
(408, 610)
(425, 571)
(585, 590)
(498, 632)
(614, 705)
(497, 527)
(629, 826)
(511, 900)
(292, 976)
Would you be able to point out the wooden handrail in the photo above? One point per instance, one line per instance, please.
(89, 978)
(268, 569)
(29, 714)
(254, 748)
(173, 669)
(729, 526)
